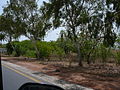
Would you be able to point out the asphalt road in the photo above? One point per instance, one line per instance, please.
(13, 80)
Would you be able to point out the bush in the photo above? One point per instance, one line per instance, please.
(58, 49)
(104, 53)
(60, 52)
(45, 49)
(24, 48)
(27, 45)
(16, 47)
(66, 45)
(117, 57)
(30, 54)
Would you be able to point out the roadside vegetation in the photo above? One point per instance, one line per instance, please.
(89, 36)
(63, 51)
(90, 29)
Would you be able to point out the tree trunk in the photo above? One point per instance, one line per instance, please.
(36, 49)
(79, 54)
(88, 60)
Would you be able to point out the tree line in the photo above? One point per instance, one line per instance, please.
(90, 26)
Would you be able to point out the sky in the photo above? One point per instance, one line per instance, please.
(51, 36)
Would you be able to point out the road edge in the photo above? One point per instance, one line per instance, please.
(45, 78)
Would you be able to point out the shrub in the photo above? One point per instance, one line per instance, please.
(104, 53)
(30, 54)
(16, 47)
(60, 52)
(45, 49)
(117, 57)
(26, 46)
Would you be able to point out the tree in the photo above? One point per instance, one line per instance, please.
(26, 15)
(10, 26)
(68, 13)
(65, 43)
(9, 48)
(2, 36)
(113, 11)
(81, 18)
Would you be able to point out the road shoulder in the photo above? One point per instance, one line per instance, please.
(45, 78)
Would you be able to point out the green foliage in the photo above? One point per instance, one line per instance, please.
(82, 19)
(8, 26)
(66, 45)
(30, 53)
(88, 23)
(44, 49)
(87, 49)
(114, 16)
(18, 20)
(9, 48)
(60, 52)
(104, 53)
(2, 37)
(49, 48)
(109, 39)
(26, 45)
(17, 48)
(24, 48)
(117, 46)
(117, 57)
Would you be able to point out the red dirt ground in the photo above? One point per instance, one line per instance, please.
(98, 77)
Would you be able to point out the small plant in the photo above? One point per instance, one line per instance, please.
(60, 53)
(117, 58)
(104, 53)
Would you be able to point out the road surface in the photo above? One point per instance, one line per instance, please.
(13, 80)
